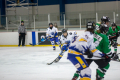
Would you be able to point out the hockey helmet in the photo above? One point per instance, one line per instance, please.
(105, 19)
(90, 25)
(103, 28)
(113, 24)
(64, 30)
(50, 24)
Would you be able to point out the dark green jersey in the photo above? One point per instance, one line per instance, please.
(102, 43)
(112, 32)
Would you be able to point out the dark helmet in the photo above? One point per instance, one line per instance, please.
(50, 24)
(103, 28)
(113, 24)
(90, 25)
(22, 21)
(105, 19)
(64, 30)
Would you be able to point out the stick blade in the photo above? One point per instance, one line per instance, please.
(30, 44)
(49, 63)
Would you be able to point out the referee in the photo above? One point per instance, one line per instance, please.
(22, 33)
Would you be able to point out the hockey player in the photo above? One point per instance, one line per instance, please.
(102, 44)
(83, 46)
(52, 34)
(114, 33)
(66, 39)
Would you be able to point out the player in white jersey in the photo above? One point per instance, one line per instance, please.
(52, 34)
(66, 39)
(83, 46)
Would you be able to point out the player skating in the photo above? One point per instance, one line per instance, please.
(83, 46)
(66, 39)
(102, 43)
(114, 33)
(52, 34)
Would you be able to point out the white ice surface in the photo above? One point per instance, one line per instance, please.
(29, 63)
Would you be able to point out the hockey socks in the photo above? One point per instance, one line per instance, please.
(101, 71)
(76, 75)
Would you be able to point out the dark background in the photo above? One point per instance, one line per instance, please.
(47, 42)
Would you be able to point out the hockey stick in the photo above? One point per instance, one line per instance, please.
(118, 60)
(55, 59)
(37, 43)
(51, 62)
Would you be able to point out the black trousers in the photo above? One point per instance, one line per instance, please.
(100, 62)
(22, 37)
(114, 38)
(114, 41)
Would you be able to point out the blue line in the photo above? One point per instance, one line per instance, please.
(33, 38)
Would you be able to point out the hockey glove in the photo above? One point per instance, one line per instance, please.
(107, 58)
(64, 48)
(88, 53)
(47, 38)
(118, 33)
(67, 43)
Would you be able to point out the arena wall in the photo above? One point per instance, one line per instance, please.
(74, 7)
(11, 38)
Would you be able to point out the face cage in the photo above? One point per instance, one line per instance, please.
(66, 35)
(104, 30)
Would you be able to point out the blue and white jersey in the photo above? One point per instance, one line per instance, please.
(51, 32)
(82, 43)
(70, 37)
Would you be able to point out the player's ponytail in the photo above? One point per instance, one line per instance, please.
(98, 31)
(90, 30)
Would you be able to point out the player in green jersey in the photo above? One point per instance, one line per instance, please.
(113, 33)
(102, 44)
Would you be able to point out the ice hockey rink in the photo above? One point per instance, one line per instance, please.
(30, 63)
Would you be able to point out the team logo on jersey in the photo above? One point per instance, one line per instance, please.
(86, 36)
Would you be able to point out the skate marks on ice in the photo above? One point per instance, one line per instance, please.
(29, 63)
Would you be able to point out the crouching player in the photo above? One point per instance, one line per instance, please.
(52, 34)
(66, 39)
(83, 46)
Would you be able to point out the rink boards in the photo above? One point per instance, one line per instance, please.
(10, 39)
